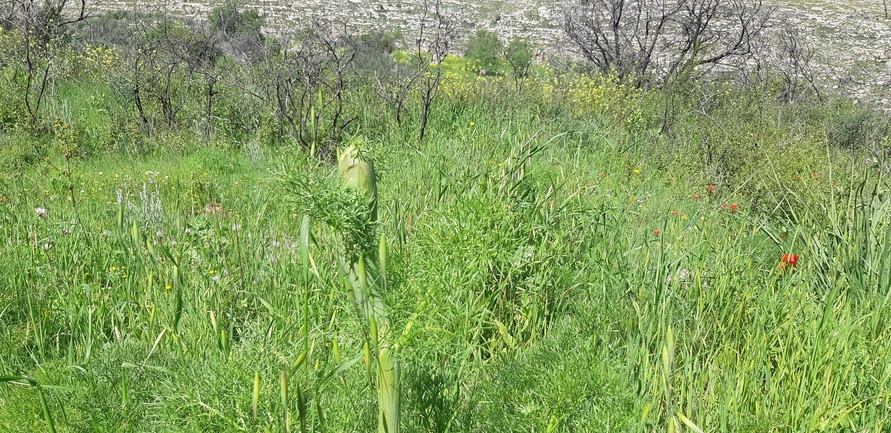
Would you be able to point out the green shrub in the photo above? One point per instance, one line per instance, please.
(374, 52)
(848, 126)
(232, 20)
(484, 48)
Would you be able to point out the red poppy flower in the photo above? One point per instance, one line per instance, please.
(656, 232)
(734, 207)
(790, 259)
(696, 196)
(675, 213)
(711, 188)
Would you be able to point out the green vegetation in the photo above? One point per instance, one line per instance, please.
(232, 21)
(484, 48)
(562, 251)
(519, 55)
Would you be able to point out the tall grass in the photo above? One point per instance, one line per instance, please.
(551, 267)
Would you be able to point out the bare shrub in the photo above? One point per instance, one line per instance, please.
(781, 65)
(656, 40)
(307, 82)
(422, 71)
(167, 65)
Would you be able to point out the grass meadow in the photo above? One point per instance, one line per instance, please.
(556, 261)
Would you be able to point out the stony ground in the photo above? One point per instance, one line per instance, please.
(853, 38)
(853, 41)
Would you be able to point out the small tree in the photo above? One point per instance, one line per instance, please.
(433, 45)
(422, 70)
(40, 27)
(795, 65)
(519, 55)
(656, 40)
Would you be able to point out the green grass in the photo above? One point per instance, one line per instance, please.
(552, 267)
